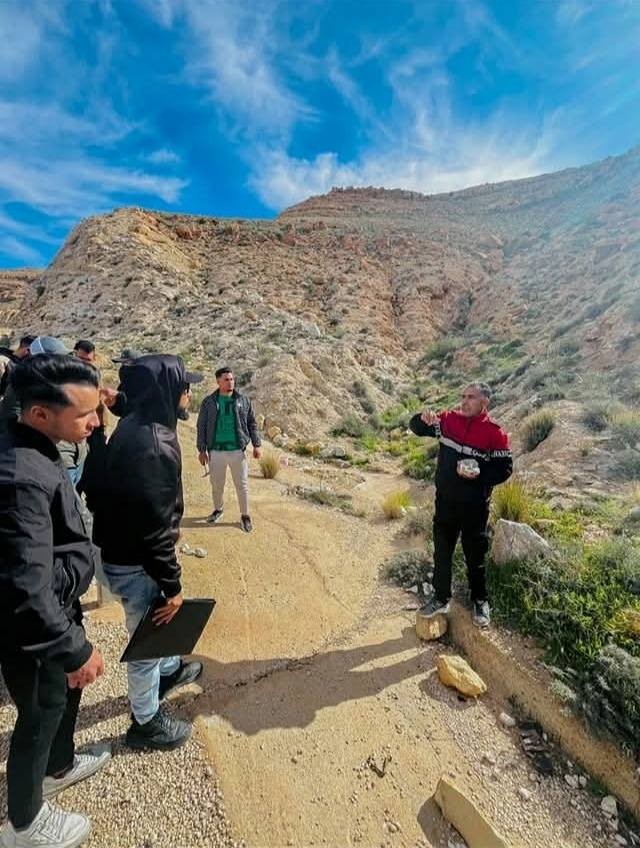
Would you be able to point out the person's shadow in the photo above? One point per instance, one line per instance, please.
(304, 686)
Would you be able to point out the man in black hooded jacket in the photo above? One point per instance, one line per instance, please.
(136, 496)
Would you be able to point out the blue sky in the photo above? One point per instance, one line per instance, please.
(243, 108)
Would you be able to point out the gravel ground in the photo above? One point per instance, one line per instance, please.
(141, 800)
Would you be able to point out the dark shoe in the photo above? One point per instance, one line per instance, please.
(481, 613)
(245, 523)
(187, 672)
(162, 733)
(215, 516)
(434, 607)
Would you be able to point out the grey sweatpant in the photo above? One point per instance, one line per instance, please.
(237, 462)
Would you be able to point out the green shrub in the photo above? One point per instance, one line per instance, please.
(419, 522)
(439, 350)
(419, 465)
(571, 603)
(596, 415)
(627, 465)
(511, 501)
(395, 504)
(536, 428)
(611, 701)
(625, 427)
(371, 443)
(350, 425)
(408, 568)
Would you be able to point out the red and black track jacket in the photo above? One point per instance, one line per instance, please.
(479, 438)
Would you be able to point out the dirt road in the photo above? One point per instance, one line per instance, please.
(321, 710)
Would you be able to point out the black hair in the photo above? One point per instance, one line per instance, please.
(225, 370)
(25, 341)
(41, 379)
(84, 345)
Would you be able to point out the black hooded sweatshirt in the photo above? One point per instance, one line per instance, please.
(136, 490)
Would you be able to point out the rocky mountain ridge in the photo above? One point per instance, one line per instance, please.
(389, 291)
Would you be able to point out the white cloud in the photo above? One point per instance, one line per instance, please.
(235, 51)
(163, 156)
(64, 147)
(458, 158)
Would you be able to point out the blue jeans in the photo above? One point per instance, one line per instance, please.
(137, 591)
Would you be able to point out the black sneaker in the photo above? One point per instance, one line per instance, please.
(481, 613)
(162, 733)
(434, 607)
(215, 516)
(187, 672)
(245, 523)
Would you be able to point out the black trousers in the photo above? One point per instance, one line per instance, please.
(454, 518)
(42, 740)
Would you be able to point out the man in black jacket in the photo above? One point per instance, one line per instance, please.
(46, 563)
(474, 456)
(226, 425)
(136, 497)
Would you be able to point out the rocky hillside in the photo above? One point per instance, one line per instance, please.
(361, 297)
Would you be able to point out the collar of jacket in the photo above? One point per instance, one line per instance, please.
(27, 437)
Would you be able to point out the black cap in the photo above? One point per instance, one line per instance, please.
(192, 377)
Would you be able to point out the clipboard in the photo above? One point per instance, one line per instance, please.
(177, 638)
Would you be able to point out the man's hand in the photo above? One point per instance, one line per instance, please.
(429, 418)
(257, 453)
(164, 614)
(108, 396)
(88, 673)
(203, 457)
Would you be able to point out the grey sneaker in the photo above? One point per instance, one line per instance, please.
(434, 607)
(481, 613)
(215, 516)
(51, 828)
(245, 523)
(84, 765)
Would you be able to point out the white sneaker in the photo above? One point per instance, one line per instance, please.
(84, 765)
(51, 828)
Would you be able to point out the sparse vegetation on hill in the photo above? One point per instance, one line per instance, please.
(583, 606)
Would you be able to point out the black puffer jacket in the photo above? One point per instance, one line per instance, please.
(47, 560)
(135, 492)
(246, 426)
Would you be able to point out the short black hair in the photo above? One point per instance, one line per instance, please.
(25, 341)
(85, 345)
(225, 370)
(41, 379)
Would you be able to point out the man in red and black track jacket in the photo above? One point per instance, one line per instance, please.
(463, 493)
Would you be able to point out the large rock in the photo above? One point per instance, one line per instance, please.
(465, 817)
(273, 431)
(456, 672)
(430, 627)
(512, 541)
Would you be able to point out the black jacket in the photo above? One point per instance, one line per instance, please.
(246, 426)
(135, 491)
(479, 438)
(47, 560)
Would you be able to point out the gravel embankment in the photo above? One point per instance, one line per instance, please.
(141, 800)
